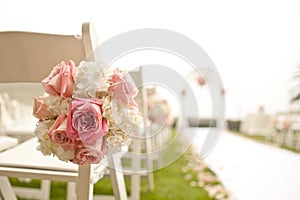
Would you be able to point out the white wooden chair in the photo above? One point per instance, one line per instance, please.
(29, 57)
(141, 155)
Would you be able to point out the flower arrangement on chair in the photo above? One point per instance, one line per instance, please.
(87, 110)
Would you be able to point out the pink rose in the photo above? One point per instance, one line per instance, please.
(86, 122)
(86, 156)
(58, 134)
(123, 88)
(60, 81)
(40, 109)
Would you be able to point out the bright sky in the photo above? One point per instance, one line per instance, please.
(255, 44)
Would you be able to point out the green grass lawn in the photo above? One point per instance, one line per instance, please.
(170, 184)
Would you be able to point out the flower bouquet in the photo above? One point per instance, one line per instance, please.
(87, 110)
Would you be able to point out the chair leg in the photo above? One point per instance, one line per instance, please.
(42, 193)
(149, 166)
(45, 189)
(85, 187)
(117, 177)
(71, 190)
(6, 190)
(135, 186)
(135, 178)
(151, 182)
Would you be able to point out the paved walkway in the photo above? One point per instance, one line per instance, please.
(252, 170)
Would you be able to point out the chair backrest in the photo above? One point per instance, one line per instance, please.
(141, 142)
(137, 76)
(141, 98)
(29, 57)
(26, 58)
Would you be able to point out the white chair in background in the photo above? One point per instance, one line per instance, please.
(140, 164)
(16, 120)
(6, 141)
(144, 150)
(29, 57)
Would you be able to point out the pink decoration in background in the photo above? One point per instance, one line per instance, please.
(201, 81)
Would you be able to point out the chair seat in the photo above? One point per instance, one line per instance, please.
(29, 157)
(36, 163)
(7, 142)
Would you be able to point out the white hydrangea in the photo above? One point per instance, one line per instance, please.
(115, 143)
(58, 105)
(136, 118)
(105, 76)
(88, 79)
(41, 131)
(127, 120)
(64, 106)
(106, 108)
(53, 103)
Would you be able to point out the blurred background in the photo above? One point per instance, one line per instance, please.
(255, 46)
